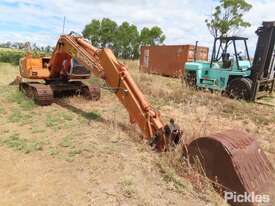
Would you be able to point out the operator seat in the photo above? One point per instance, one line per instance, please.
(226, 60)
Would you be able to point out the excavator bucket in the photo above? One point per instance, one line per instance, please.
(234, 162)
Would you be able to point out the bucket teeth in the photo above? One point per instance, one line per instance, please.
(233, 159)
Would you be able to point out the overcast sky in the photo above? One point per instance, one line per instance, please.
(182, 21)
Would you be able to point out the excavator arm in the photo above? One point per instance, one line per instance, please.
(103, 64)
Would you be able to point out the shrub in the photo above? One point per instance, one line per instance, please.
(13, 55)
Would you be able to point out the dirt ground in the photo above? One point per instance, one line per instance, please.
(77, 152)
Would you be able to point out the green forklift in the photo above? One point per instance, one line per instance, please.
(231, 70)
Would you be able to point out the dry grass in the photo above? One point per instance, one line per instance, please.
(8, 73)
(92, 155)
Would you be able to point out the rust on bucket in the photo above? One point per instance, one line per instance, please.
(235, 161)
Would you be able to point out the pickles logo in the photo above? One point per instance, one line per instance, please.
(246, 197)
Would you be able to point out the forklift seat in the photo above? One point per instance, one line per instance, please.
(226, 61)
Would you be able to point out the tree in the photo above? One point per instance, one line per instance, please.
(153, 36)
(108, 29)
(92, 32)
(228, 17)
(48, 49)
(101, 32)
(125, 39)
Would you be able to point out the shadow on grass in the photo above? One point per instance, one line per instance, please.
(94, 116)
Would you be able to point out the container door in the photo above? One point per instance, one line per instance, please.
(180, 61)
(146, 59)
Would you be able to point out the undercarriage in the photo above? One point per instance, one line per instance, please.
(45, 94)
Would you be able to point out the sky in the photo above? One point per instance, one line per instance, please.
(41, 21)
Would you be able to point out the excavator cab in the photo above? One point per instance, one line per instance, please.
(78, 70)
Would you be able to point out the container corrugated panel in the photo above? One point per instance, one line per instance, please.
(169, 60)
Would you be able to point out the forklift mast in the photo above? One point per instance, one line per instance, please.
(263, 68)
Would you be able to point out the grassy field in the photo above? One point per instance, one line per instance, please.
(77, 152)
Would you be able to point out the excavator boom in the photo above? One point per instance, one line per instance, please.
(103, 64)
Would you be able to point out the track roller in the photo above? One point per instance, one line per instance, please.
(40, 93)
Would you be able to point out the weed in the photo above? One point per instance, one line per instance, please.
(170, 177)
(127, 187)
(36, 130)
(15, 116)
(66, 142)
(92, 115)
(53, 120)
(57, 119)
(53, 151)
(21, 144)
(2, 111)
(74, 152)
(67, 116)
(143, 202)
(69, 159)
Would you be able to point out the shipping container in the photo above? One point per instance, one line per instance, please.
(169, 60)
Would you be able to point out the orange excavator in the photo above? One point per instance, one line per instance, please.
(63, 78)
(232, 159)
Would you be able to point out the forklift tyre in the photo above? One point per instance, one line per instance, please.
(190, 79)
(240, 88)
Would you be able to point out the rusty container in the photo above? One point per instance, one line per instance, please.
(169, 60)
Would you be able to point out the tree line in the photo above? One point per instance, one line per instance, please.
(27, 46)
(11, 52)
(125, 39)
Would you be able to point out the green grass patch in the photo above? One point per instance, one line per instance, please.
(15, 96)
(67, 116)
(19, 117)
(53, 120)
(73, 152)
(128, 187)
(17, 143)
(2, 111)
(66, 142)
(53, 151)
(92, 115)
(36, 130)
(15, 116)
(174, 182)
(58, 118)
